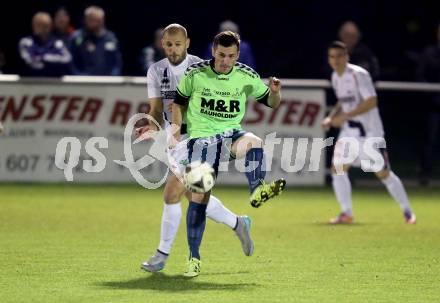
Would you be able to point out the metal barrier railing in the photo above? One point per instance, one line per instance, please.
(303, 83)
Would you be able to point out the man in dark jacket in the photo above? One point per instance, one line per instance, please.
(359, 53)
(95, 49)
(43, 54)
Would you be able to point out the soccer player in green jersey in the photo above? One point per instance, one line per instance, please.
(162, 80)
(213, 96)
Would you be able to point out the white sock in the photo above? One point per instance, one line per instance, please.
(217, 212)
(397, 191)
(170, 224)
(342, 188)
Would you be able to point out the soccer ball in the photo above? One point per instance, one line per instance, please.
(199, 177)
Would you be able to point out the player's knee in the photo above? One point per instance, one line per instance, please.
(253, 142)
(383, 174)
(171, 197)
(258, 143)
(244, 144)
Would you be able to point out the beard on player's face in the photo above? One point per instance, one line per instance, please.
(175, 47)
(224, 66)
(176, 58)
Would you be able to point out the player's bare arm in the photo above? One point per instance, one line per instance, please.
(363, 107)
(177, 118)
(327, 122)
(274, 98)
(156, 111)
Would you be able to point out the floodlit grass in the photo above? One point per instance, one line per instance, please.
(62, 243)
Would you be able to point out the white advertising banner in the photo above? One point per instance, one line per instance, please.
(37, 116)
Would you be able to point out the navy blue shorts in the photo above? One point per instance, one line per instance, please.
(213, 149)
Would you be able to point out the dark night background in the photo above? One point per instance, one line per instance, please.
(288, 37)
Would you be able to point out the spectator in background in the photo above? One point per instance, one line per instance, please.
(62, 28)
(246, 54)
(44, 55)
(95, 49)
(359, 53)
(152, 53)
(429, 71)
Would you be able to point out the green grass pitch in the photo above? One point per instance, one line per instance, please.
(61, 243)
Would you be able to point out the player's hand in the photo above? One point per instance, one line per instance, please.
(1, 128)
(145, 132)
(326, 123)
(338, 120)
(175, 138)
(173, 141)
(274, 84)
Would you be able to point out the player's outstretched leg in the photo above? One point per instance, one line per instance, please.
(217, 212)
(259, 189)
(397, 191)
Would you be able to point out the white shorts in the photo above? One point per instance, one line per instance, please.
(369, 153)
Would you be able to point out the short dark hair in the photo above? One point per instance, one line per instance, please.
(338, 45)
(226, 39)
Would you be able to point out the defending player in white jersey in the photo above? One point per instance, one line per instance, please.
(357, 115)
(162, 80)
